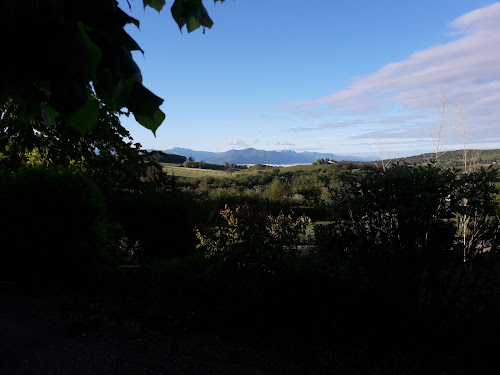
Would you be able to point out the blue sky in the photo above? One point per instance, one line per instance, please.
(347, 77)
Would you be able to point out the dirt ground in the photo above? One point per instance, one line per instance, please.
(58, 335)
(47, 335)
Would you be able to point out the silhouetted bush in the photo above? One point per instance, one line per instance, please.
(403, 230)
(53, 227)
(157, 225)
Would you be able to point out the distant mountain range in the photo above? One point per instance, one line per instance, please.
(254, 156)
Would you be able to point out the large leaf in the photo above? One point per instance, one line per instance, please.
(128, 43)
(85, 118)
(145, 107)
(27, 105)
(122, 92)
(48, 114)
(152, 123)
(116, 79)
(93, 53)
(155, 4)
(191, 13)
(124, 18)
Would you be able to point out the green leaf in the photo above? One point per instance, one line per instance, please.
(143, 101)
(155, 4)
(93, 53)
(129, 43)
(48, 114)
(152, 123)
(145, 107)
(85, 118)
(122, 92)
(27, 107)
(191, 13)
(114, 83)
(192, 24)
(26, 115)
(124, 18)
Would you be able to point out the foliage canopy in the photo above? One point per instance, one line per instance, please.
(106, 153)
(62, 52)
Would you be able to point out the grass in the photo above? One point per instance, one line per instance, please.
(183, 172)
(306, 167)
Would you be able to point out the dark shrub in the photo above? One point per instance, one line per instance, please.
(52, 226)
(403, 229)
(157, 225)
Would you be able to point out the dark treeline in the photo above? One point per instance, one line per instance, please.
(218, 167)
(402, 273)
(163, 157)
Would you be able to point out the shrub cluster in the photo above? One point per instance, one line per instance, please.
(249, 238)
(53, 226)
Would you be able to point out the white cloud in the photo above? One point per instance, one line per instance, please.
(276, 142)
(483, 19)
(468, 68)
(237, 142)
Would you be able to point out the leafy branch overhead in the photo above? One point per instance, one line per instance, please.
(64, 56)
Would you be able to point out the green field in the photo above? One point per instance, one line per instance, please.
(183, 172)
(304, 167)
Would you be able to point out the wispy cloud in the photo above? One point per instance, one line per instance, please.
(311, 149)
(268, 117)
(468, 68)
(379, 120)
(330, 125)
(385, 135)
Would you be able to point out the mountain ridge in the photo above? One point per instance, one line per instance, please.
(254, 156)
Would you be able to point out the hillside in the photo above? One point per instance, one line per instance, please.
(454, 158)
(254, 156)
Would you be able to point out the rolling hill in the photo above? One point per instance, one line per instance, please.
(454, 158)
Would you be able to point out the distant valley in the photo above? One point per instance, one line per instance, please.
(288, 157)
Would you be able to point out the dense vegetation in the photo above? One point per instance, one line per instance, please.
(191, 163)
(162, 157)
(85, 57)
(408, 253)
(455, 158)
